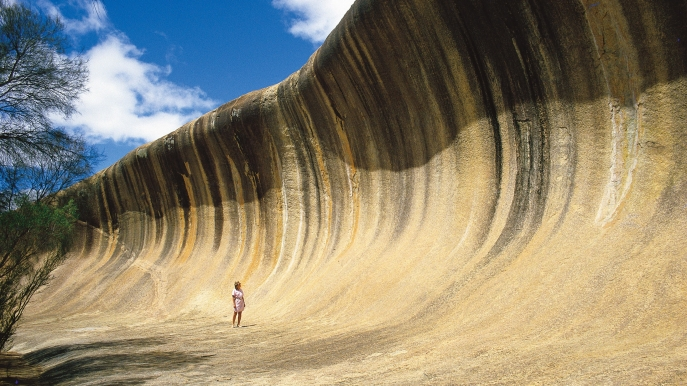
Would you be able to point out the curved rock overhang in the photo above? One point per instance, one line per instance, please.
(511, 168)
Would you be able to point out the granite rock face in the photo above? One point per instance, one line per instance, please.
(474, 170)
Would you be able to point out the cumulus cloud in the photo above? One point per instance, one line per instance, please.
(129, 98)
(314, 19)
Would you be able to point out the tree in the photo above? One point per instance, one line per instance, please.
(33, 242)
(67, 161)
(37, 79)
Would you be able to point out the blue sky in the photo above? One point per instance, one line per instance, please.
(155, 65)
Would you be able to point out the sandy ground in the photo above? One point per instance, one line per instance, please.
(200, 352)
(93, 351)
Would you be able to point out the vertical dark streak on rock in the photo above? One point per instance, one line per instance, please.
(204, 149)
(530, 124)
(463, 38)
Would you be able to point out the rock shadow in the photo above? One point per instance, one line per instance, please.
(120, 362)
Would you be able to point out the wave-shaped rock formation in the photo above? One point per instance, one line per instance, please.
(497, 189)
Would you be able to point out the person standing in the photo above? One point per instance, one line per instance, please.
(239, 303)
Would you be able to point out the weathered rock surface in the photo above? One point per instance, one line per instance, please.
(448, 191)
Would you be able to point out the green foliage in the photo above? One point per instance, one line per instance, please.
(33, 242)
(37, 80)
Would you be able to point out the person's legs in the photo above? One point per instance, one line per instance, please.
(234, 318)
(239, 323)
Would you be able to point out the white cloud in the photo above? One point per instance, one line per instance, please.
(129, 98)
(315, 19)
(93, 16)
